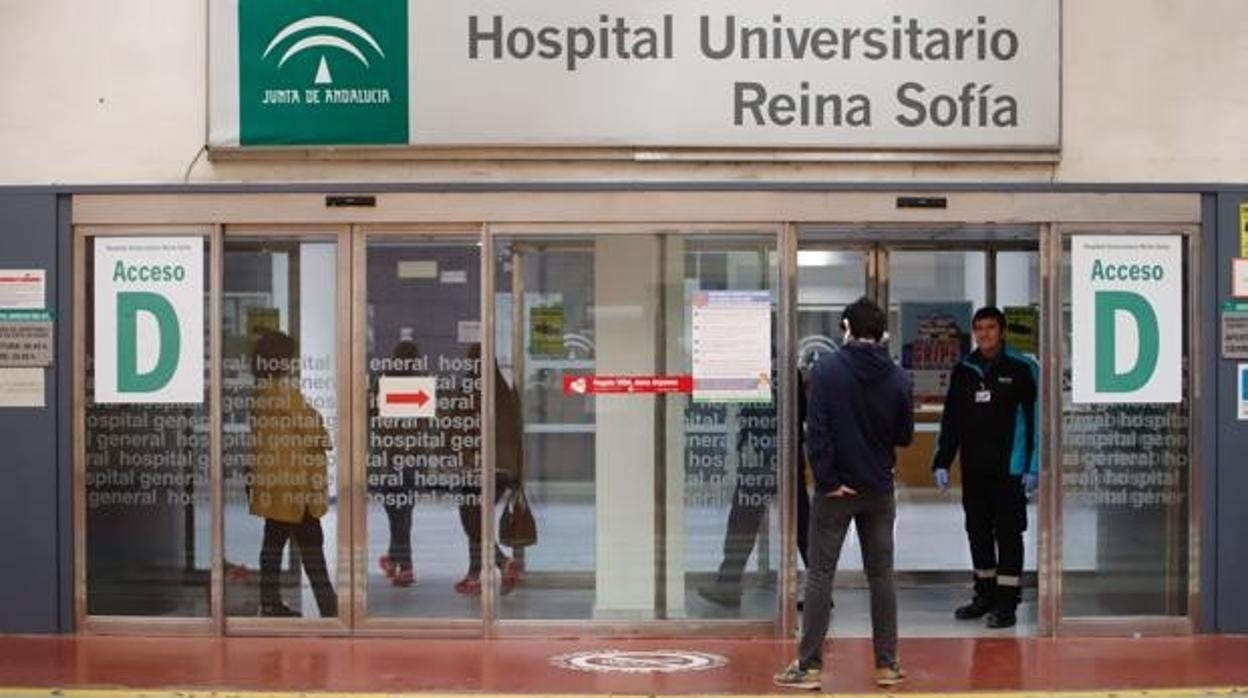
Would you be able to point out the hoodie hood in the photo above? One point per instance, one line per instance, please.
(869, 362)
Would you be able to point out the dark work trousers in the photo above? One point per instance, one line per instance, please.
(308, 536)
(400, 550)
(744, 522)
(470, 521)
(873, 514)
(996, 516)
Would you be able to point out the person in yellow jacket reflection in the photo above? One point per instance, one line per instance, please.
(289, 487)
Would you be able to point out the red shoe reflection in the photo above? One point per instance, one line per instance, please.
(387, 565)
(511, 576)
(403, 577)
(469, 586)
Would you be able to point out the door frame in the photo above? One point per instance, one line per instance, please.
(208, 214)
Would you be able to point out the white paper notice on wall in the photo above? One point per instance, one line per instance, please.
(22, 387)
(24, 289)
(407, 396)
(1241, 390)
(454, 276)
(1239, 277)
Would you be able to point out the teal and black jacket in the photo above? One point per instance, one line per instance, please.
(990, 416)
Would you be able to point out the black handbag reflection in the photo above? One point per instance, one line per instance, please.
(517, 528)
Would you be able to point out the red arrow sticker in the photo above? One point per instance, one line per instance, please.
(418, 398)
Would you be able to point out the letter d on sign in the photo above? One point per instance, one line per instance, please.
(129, 305)
(1108, 305)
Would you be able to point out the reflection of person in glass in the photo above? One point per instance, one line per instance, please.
(399, 484)
(289, 486)
(755, 487)
(507, 429)
(989, 421)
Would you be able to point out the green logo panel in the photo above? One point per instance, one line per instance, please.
(322, 72)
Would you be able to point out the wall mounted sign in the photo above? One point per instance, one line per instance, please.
(1243, 230)
(22, 387)
(26, 338)
(881, 74)
(1239, 277)
(626, 385)
(149, 320)
(24, 289)
(935, 336)
(1235, 330)
(1127, 317)
(1241, 389)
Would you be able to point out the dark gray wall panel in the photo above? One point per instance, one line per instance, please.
(1231, 567)
(30, 501)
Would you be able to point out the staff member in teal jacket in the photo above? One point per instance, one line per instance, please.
(990, 421)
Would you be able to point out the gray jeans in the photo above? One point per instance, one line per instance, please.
(873, 515)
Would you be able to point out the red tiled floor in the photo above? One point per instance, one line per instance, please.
(523, 666)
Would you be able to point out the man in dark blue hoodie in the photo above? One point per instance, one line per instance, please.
(860, 409)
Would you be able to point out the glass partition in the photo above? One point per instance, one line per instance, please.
(148, 512)
(647, 504)
(281, 443)
(1126, 460)
(422, 446)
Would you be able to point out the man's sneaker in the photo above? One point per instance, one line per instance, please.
(887, 676)
(1001, 618)
(794, 676)
(975, 609)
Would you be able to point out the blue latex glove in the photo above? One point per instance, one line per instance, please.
(1031, 481)
(942, 479)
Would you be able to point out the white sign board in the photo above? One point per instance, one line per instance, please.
(1239, 277)
(407, 396)
(1127, 317)
(731, 346)
(149, 320)
(885, 74)
(1241, 389)
(22, 387)
(23, 289)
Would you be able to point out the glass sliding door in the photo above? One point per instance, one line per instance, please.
(930, 279)
(145, 504)
(1127, 429)
(421, 401)
(648, 504)
(283, 444)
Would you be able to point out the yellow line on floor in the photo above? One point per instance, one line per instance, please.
(196, 693)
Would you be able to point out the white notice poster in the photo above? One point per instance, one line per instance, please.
(24, 289)
(1127, 318)
(149, 320)
(732, 346)
(22, 387)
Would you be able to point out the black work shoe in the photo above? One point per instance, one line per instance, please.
(1001, 619)
(721, 595)
(279, 610)
(975, 609)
